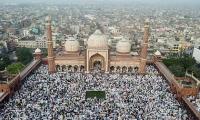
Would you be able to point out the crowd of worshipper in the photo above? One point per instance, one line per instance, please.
(195, 100)
(61, 95)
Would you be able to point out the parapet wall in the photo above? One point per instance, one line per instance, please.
(180, 91)
(11, 85)
(14, 84)
(185, 91)
(176, 87)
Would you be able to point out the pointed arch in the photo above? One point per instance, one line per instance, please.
(97, 59)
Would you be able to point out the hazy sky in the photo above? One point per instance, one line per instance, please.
(105, 1)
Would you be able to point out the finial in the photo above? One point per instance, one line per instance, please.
(37, 50)
(48, 20)
(98, 32)
(147, 21)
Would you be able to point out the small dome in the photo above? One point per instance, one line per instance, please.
(134, 53)
(71, 45)
(37, 50)
(97, 40)
(110, 42)
(157, 53)
(123, 46)
(48, 18)
(147, 20)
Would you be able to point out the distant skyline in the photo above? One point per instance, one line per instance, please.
(147, 1)
(162, 2)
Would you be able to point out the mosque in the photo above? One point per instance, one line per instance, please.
(96, 54)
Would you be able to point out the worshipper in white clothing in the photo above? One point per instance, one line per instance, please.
(62, 96)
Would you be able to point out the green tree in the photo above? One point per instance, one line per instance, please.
(15, 68)
(170, 61)
(196, 73)
(4, 61)
(187, 62)
(2, 65)
(24, 55)
(179, 64)
(1, 45)
(177, 70)
(195, 70)
(183, 63)
(198, 65)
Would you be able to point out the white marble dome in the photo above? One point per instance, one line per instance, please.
(48, 18)
(38, 50)
(71, 45)
(123, 46)
(97, 40)
(157, 53)
(110, 42)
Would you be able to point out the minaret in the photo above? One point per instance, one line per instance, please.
(144, 47)
(51, 58)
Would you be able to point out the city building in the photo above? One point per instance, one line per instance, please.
(196, 54)
(33, 42)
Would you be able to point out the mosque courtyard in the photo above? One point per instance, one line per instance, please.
(61, 95)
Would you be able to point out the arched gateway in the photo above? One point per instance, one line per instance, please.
(97, 62)
(97, 52)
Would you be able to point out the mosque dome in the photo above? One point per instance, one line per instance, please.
(123, 46)
(38, 50)
(97, 40)
(48, 18)
(110, 42)
(157, 53)
(71, 45)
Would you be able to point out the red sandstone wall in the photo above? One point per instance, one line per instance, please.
(11, 85)
(4, 88)
(175, 86)
(188, 91)
(45, 61)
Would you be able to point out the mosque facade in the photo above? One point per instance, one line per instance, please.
(96, 54)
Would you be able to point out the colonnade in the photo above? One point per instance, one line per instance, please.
(70, 68)
(81, 68)
(123, 69)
